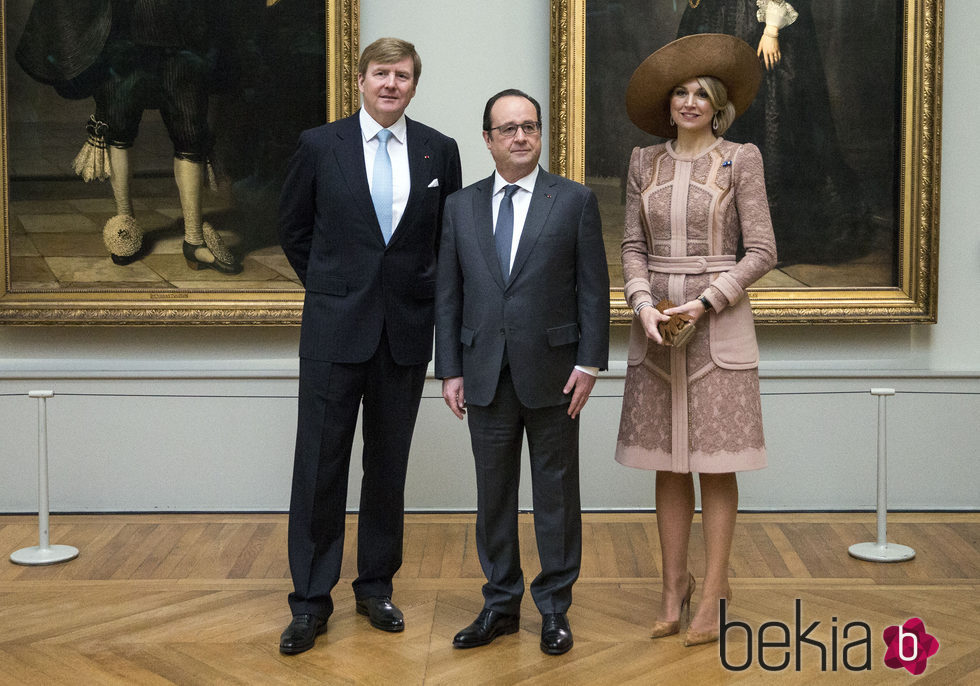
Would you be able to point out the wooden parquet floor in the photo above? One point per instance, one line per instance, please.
(201, 599)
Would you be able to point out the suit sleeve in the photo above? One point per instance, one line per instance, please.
(449, 299)
(297, 204)
(452, 181)
(592, 288)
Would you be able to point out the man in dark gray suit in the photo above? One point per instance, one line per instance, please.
(360, 215)
(522, 319)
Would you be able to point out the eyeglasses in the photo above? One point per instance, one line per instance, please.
(530, 128)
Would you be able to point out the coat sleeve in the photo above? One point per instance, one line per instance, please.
(297, 205)
(449, 298)
(756, 227)
(452, 181)
(592, 288)
(636, 275)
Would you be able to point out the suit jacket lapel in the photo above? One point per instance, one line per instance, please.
(483, 222)
(420, 172)
(350, 156)
(542, 200)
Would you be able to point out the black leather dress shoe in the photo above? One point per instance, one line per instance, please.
(382, 613)
(556, 635)
(488, 625)
(301, 634)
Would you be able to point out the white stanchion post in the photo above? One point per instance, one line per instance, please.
(882, 550)
(43, 553)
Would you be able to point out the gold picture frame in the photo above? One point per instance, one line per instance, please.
(229, 302)
(911, 297)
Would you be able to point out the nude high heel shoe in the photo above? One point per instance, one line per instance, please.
(661, 629)
(697, 638)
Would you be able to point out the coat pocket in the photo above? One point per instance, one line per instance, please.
(732, 337)
(563, 335)
(638, 343)
(466, 335)
(329, 285)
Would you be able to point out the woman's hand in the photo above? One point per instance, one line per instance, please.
(693, 308)
(650, 317)
(769, 51)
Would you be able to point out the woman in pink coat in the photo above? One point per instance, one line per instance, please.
(691, 401)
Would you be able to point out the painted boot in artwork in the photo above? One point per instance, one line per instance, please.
(213, 254)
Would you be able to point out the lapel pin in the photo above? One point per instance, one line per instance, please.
(726, 163)
(426, 157)
(547, 195)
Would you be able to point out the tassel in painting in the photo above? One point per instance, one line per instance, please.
(92, 161)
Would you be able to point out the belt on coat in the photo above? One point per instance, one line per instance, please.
(690, 265)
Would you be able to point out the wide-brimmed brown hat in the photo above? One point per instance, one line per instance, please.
(729, 59)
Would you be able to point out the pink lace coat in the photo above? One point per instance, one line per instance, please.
(696, 408)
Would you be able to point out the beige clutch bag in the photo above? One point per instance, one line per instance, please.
(676, 331)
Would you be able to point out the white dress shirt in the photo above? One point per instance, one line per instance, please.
(522, 201)
(401, 179)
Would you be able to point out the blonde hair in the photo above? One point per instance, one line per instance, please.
(718, 96)
(389, 51)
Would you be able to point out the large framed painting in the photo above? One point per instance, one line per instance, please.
(848, 122)
(128, 138)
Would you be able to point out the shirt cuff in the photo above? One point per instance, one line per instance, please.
(591, 371)
(780, 14)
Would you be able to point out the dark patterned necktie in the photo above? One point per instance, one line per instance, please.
(503, 235)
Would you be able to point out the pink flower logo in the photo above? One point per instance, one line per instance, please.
(909, 646)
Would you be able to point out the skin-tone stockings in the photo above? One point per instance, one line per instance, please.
(675, 512)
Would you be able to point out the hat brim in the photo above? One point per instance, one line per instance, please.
(729, 59)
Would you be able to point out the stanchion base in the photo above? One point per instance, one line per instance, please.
(36, 555)
(890, 552)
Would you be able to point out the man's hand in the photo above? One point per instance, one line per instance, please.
(579, 385)
(452, 393)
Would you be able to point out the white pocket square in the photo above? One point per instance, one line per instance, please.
(434, 183)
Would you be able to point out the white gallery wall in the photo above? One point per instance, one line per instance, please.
(203, 418)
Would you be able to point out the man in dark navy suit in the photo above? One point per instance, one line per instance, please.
(360, 216)
(522, 320)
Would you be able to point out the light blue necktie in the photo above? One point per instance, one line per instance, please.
(381, 184)
(503, 234)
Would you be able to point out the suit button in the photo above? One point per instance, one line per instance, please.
(502, 332)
